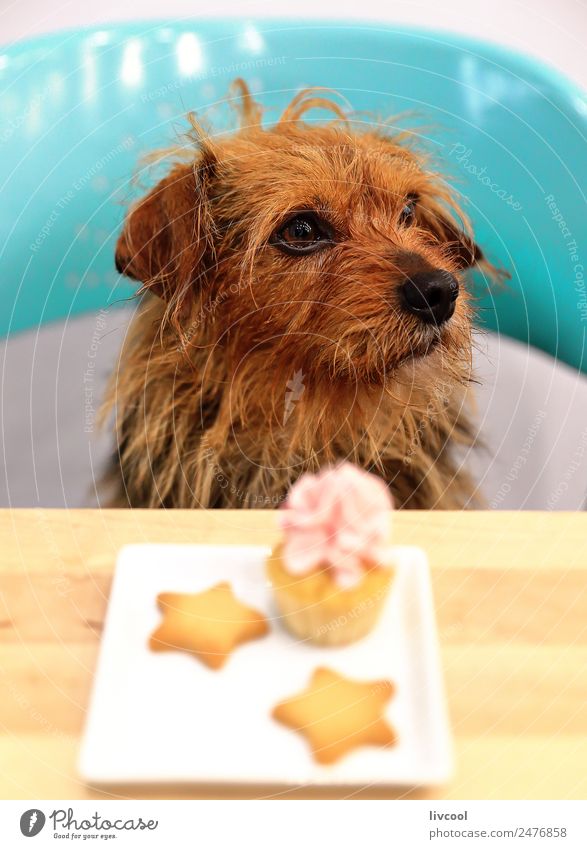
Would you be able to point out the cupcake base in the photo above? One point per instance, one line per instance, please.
(313, 607)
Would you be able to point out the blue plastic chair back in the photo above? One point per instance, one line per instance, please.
(78, 109)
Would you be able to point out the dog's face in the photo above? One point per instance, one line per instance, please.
(333, 251)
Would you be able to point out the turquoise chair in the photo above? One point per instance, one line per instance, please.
(78, 109)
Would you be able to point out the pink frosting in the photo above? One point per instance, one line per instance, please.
(338, 518)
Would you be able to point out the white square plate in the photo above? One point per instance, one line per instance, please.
(165, 717)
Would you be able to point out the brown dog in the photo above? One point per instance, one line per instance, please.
(306, 305)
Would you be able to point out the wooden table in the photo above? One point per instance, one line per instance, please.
(511, 600)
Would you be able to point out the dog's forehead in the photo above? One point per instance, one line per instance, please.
(341, 167)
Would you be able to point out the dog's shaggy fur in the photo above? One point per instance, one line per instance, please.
(248, 366)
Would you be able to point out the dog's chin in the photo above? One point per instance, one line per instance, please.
(427, 342)
(433, 348)
(380, 373)
(445, 351)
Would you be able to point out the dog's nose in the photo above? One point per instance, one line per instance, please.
(430, 295)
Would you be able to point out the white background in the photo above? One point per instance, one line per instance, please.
(377, 824)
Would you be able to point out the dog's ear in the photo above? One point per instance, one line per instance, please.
(462, 248)
(167, 234)
(459, 244)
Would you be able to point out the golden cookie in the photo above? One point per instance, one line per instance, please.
(336, 714)
(209, 624)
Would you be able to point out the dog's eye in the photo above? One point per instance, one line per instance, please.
(304, 233)
(408, 213)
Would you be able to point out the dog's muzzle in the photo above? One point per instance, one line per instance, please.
(430, 295)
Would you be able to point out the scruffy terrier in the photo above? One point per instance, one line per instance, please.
(304, 303)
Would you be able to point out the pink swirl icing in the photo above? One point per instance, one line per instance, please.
(338, 518)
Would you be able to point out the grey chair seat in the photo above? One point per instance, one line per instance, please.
(531, 417)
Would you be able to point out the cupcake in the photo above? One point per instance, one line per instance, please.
(332, 570)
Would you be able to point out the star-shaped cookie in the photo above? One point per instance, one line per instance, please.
(336, 714)
(209, 624)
